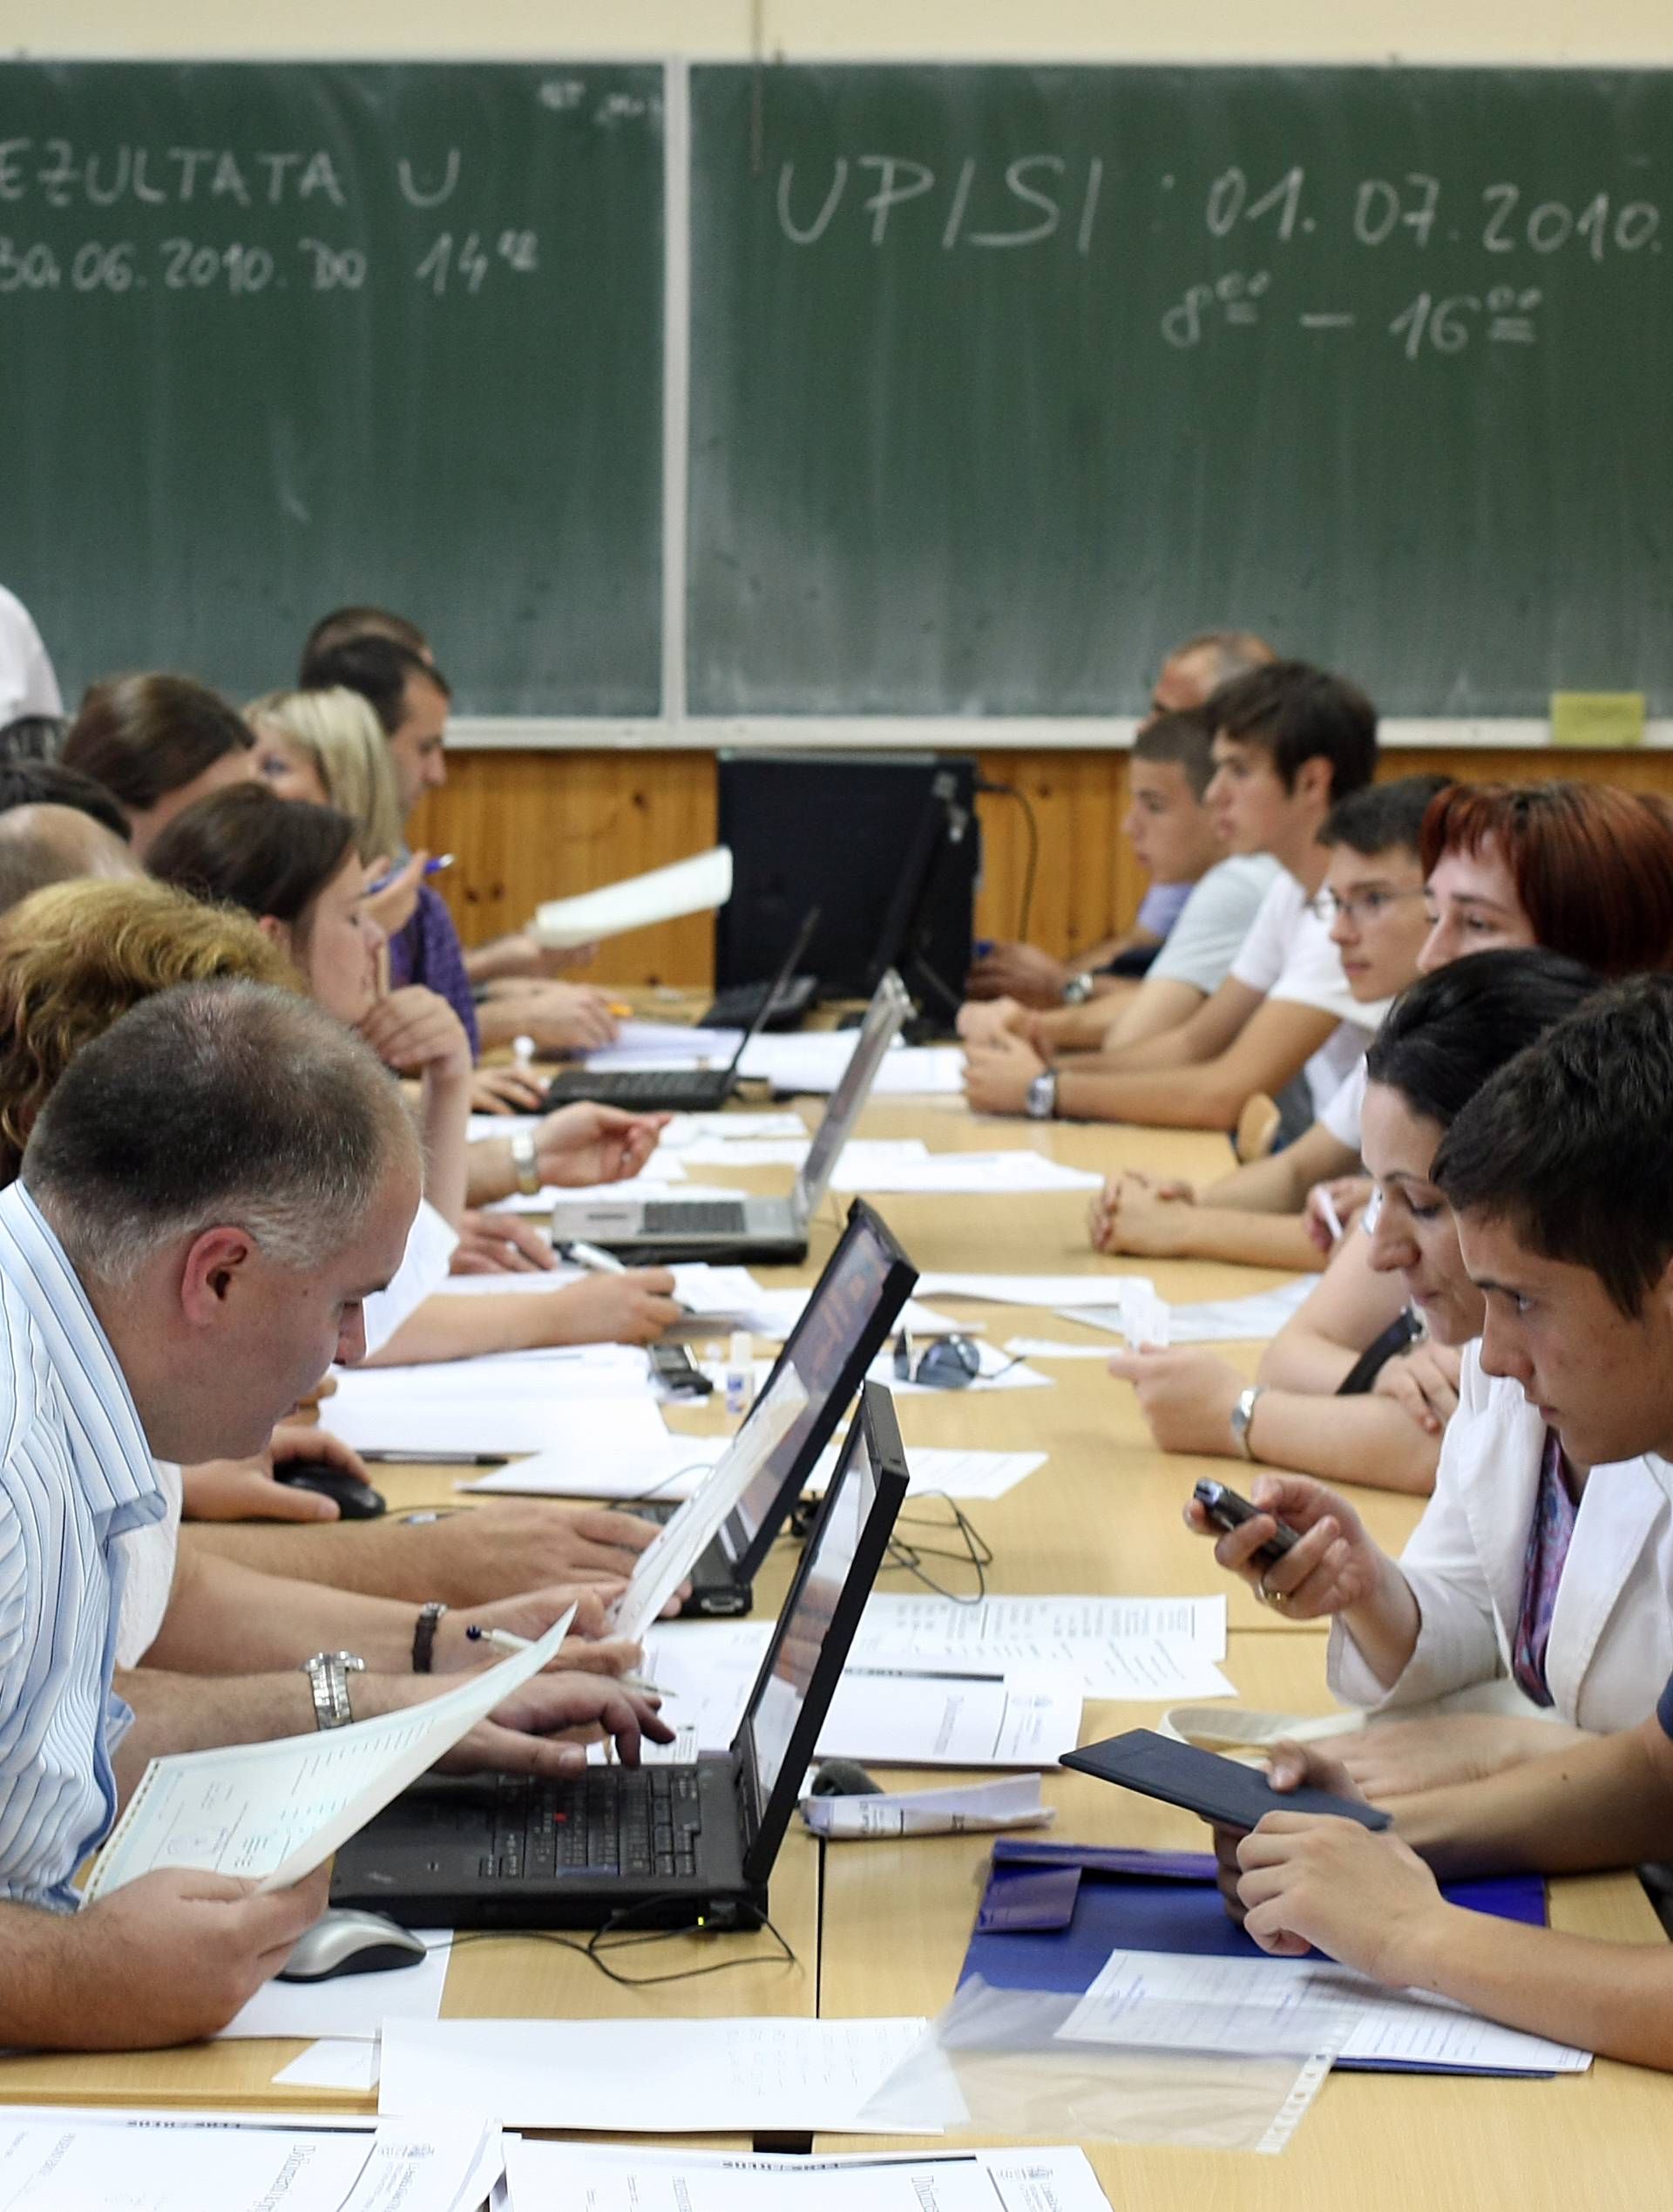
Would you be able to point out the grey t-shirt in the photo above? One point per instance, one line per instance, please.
(1204, 941)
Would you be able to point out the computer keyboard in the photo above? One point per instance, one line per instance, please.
(692, 1218)
(736, 1008)
(642, 1086)
(641, 1821)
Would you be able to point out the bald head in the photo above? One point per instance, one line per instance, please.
(1203, 664)
(44, 845)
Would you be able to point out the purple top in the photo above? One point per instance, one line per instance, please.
(427, 951)
(1162, 905)
(1548, 1539)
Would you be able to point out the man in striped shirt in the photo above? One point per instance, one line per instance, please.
(209, 1197)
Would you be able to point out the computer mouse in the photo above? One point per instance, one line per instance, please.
(356, 1501)
(350, 1942)
(843, 1777)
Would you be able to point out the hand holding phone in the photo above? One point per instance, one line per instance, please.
(1228, 1511)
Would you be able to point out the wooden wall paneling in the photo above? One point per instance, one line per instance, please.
(525, 826)
(529, 826)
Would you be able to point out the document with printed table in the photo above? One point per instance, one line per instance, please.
(273, 1812)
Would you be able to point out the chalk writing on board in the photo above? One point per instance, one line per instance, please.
(64, 175)
(1026, 201)
(451, 264)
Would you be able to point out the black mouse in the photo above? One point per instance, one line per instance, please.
(356, 1501)
(843, 1777)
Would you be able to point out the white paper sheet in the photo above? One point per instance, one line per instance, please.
(1050, 1347)
(973, 1174)
(705, 1671)
(730, 1127)
(921, 1071)
(71, 2165)
(347, 2005)
(801, 1061)
(668, 1471)
(1104, 1291)
(587, 1413)
(943, 1472)
(691, 886)
(665, 1563)
(644, 2077)
(1224, 1320)
(1155, 1999)
(1121, 1647)
(275, 1811)
(346, 2063)
(1011, 1802)
(1023, 1717)
(633, 2179)
(745, 1152)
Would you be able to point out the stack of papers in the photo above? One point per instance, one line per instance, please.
(662, 2077)
(544, 2175)
(64, 2161)
(814, 1061)
(644, 1045)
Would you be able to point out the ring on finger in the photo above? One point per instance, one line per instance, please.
(1267, 1596)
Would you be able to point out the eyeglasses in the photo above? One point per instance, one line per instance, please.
(1366, 907)
(949, 1363)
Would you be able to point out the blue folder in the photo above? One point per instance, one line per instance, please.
(1053, 1913)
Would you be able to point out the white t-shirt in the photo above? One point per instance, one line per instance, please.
(1213, 922)
(27, 683)
(1341, 1115)
(1288, 955)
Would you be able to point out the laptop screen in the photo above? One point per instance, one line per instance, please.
(889, 1008)
(782, 1692)
(853, 1307)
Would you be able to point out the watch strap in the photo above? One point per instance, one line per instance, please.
(423, 1636)
(328, 1676)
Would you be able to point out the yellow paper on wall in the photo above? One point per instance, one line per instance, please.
(1608, 719)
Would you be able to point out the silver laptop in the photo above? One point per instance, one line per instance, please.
(748, 1227)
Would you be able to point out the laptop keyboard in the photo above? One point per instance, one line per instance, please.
(642, 1821)
(693, 1218)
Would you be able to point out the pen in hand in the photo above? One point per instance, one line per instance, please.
(503, 1640)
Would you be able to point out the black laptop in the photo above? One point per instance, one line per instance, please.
(674, 1090)
(655, 1846)
(845, 1324)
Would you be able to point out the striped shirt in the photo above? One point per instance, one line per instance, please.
(76, 1476)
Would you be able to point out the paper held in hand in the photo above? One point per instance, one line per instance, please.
(688, 887)
(666, 1561)
(275, 1811)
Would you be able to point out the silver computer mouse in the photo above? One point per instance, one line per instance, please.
(350, 1942)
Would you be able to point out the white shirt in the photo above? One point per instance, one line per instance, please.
(1288, 956)
(1611, 1642)
(27, 683)
(76, 1477)
(1345, 1107)
(1213, 922)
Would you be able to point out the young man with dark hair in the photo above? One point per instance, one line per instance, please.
(1373, 898)
(1190, 674)
(1557, 1172)
(1289, 741)
(1200, 904)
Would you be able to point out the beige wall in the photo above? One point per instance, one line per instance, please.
(1632, 31)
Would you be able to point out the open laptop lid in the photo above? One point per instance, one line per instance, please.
(804, 1662)
(798, 946)
(890, 1004)
(845, 1325)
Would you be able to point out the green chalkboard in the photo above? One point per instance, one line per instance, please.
(276, 337)
(1005, 378)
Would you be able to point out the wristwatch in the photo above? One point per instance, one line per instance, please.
(1241, 1414)
(1078, 990)
(1042, 1096)
(328, 1676)
(523, 1159)
(423, 1636)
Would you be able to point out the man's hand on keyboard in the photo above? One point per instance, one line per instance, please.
(544, 1729)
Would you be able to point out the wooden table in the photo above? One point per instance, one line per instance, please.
(886, 1931)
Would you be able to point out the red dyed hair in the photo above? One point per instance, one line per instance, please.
(1592, 864)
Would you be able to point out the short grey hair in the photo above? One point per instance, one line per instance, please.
(211, 1105)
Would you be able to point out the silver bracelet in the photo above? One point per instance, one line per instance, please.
(328, 1676)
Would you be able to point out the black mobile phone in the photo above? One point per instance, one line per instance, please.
(1227, 1510)
(678, 1373)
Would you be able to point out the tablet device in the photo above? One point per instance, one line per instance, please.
(1217, 1789)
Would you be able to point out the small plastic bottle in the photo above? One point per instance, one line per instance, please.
(739, 1373)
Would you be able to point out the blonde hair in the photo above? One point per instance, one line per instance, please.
(77, 955)
(344, 739)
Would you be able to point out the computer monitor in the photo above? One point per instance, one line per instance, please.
(887, 843)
